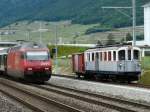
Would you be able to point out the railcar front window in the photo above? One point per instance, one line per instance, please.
(114, 55)
(129, 54)
(37, 55)
(122, 55)
(136, 54)
(92, 56)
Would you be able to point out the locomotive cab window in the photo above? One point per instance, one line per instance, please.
(37, 55)
(22, 56)
(121, 55)
(136, 54)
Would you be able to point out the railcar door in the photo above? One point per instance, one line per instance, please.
(121, 60)
(136, 59)
(133, 63)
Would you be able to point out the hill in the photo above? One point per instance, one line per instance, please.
(79, 11)
(66, 32)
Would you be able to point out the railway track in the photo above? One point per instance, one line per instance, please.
(35, 101)
(53, 98)
(108, 82)
(96, 99)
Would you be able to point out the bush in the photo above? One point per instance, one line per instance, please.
(66, 50)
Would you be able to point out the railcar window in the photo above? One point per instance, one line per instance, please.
(101, 56)
(0, 61)
(129, 54)
(92, 56)
(114, 55)
(109, 56)
(136, 54)
(97, 56)
(121, 55)
(105, 56)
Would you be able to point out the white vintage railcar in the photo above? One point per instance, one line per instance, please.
(120, 62)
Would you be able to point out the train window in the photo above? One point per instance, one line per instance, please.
(114, 55)
(121, 55)
(136, 54)
(101, 56)
(129, 54)
(37, 55)
(92, 56)
(97, 56)
(109, 56)
(0, 61)
(22, 56)
(105, 56)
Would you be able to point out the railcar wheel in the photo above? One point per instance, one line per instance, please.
(129, 81)
(86, 76)
(78, 76)
(96, 77)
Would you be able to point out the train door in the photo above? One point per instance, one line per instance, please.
(81, 63)
(121, 60)
(97, 61)
(136, 59)
(132, 63)
(130, 66)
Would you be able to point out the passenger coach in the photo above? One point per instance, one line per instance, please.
(121, 63)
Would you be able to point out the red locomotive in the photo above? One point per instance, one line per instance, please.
(29, 61)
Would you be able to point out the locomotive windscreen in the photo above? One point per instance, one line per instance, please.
(37, 55)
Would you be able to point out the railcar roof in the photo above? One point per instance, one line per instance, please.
(108, 48)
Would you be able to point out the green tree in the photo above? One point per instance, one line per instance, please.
(110, 40)
(128, 37)
(99, 43)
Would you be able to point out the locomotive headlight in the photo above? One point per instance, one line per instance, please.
(29, 69)
(46, 68)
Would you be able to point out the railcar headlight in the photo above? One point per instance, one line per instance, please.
(139, 65)
(29, 69)
(120, 64)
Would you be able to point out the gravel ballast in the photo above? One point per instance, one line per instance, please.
(120, 91)
(9, 105)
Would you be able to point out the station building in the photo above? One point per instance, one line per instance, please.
(145, 44)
